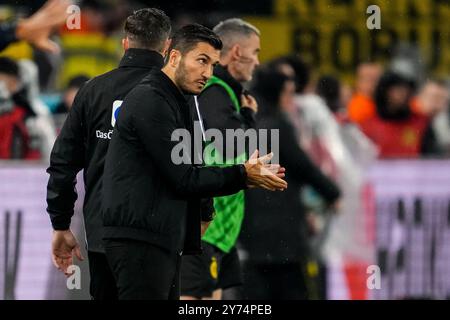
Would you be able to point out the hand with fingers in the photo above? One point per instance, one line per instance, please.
(64, 246)
(248, 101)
(36, 29)
(261, 174)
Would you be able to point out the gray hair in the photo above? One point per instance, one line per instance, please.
(231, 30)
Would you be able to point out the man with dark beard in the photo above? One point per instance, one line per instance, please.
(148, 195)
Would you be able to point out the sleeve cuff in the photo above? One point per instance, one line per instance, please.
(61, 227)
(60, 222)
(247, 111)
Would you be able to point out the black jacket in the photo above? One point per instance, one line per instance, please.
(281, 214)
(7, 34)
(146, 196)
(84, 139)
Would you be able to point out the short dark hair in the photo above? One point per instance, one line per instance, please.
(188, 36)
(329, 88)
(301, 69)
(148, 28)
(267, 85)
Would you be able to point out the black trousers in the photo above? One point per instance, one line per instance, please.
(103, 284)
(275, 282)
(143, 271)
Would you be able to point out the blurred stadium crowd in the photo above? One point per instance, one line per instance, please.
(391, 110)
(38, 89)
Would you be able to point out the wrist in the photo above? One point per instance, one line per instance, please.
(61, 230)
(20, 30)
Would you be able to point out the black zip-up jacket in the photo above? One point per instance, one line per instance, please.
(84, 139)
(146, 196)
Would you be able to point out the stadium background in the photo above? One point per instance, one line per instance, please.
(406, 201)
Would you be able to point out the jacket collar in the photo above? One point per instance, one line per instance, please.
(141, 58)
(163, 81)
(222, 73)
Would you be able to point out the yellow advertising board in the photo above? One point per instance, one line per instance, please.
(333, 36)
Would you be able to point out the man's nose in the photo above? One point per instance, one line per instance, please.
(208, 72)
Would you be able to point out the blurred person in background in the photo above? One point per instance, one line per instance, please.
(275, 265)
(362, 105)
(441, 129)
(36, 115)
(329, 89)
(70, 93)
(347, 93)
(84, 140)
(344, 246)
(68, 96)
(294, 67)
(432, 98)
(223, 105)
(397, 130)
(40, 121)
(432, 101)
(311, 115)
(343, 153)
(36, 29)
(14, 136)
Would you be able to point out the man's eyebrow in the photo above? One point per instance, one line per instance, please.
(206, 56)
